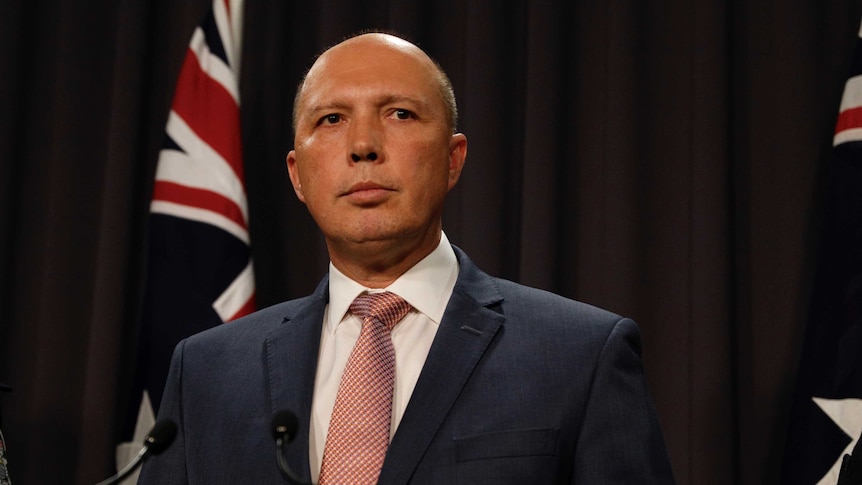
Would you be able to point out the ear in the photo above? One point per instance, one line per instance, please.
(293, 171)
(457, 157)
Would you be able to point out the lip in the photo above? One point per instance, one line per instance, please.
(366, 193)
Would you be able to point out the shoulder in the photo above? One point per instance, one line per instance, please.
(541, 314)
(556, 316)
(525, 298)
(518, 299)
(250, 329)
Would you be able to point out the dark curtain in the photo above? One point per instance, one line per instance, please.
(661, 159)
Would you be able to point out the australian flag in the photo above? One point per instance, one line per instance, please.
(826, 419)
(199, 266)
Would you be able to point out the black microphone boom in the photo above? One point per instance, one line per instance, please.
(156, 441)
(284, 426)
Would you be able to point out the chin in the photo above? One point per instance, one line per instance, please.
(381, 237)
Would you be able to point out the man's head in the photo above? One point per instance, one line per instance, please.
(375, 153)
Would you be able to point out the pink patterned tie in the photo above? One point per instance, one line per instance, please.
(359, 429)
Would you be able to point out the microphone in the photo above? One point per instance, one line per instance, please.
(156, 441)
(284, 426)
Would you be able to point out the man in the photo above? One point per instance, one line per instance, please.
(493, 382)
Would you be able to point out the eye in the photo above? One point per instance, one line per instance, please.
(329, 119)
(403, 114)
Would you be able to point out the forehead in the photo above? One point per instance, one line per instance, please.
(370, 66)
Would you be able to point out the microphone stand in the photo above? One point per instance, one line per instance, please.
(127, 470)
(282, 463)
(156, 441)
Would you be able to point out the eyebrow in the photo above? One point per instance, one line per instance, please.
(381, 101)
(398, 98)
(335, 106)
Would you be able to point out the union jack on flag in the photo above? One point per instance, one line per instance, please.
(199, 268)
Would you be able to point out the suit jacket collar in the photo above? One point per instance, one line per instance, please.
(469, 325)
(291, 352)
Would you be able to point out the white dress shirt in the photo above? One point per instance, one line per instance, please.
(427, 286)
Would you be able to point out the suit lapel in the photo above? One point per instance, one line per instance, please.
(291, 352)
(467, 328)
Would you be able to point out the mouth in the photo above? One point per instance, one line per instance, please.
(364, 193)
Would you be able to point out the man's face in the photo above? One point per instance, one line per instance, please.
(373, 157)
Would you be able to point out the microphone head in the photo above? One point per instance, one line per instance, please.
(284, 424)
(161, 436)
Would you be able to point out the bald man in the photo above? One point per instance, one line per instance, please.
(494, 382)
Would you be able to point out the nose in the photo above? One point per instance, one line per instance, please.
(365, 139)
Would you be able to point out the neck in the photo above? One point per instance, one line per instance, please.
(378, 264)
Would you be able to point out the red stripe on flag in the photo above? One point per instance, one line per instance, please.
(200, 198)
(246, 309)
(849, 119)
(210, 111)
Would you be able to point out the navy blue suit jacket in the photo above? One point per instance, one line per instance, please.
(520, 386)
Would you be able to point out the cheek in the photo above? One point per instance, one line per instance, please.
(434, 167)
(315, 188)
(309, 169)
(432, 182)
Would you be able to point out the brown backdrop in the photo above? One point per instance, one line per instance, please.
(662, 159)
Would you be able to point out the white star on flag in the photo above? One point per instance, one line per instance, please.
(847, 414)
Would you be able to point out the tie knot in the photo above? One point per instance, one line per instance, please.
(387, 308)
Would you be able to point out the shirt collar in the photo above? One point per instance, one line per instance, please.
(427, 286)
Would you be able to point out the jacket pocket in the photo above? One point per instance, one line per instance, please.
(508, 457)
(510, 443)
